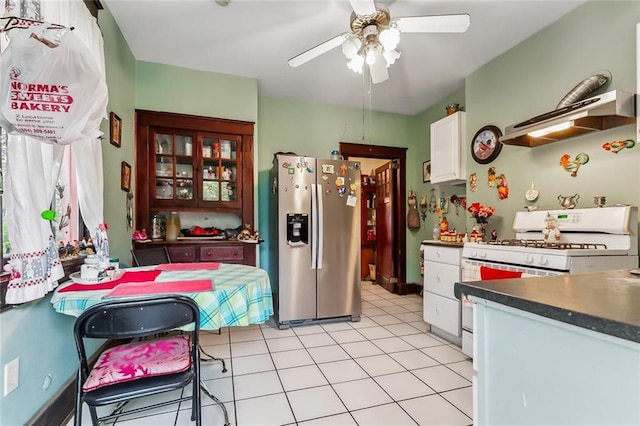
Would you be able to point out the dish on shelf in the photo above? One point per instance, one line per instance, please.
(211, 233)
(76, 277)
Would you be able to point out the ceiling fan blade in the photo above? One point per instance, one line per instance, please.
(378, 70)
(363, 7)
(314, 52)
(434, 24)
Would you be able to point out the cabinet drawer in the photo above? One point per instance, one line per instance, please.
(212, 253)
(179, 254)
(467, 343)
(442, 313)
(447, 255)
(440, 278)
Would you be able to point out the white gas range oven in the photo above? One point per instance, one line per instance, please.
(595, 239)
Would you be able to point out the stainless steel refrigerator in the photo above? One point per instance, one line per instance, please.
(315, 259)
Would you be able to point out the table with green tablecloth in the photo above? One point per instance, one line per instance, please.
(241, 295)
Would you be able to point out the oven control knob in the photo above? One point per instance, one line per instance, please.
(473, 254)
(529, 260)
(543, 260)
(483, 254)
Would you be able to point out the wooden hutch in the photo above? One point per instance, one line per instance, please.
(198, 166)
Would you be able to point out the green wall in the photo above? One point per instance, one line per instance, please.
(315, 130)
(120, 67)
(528, 80)
(161, 87)
(456, 221)
(531, 79)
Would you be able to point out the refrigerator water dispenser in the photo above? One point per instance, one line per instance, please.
(297, 229)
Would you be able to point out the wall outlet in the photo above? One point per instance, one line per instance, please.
(11, 370)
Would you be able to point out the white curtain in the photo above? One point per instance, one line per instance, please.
(33, 168)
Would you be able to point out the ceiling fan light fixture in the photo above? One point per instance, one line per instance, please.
(370, 55)
(390, 56)
(351, 46)
(356, 64)
(389, 38)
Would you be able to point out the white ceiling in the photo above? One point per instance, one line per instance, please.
(256, 38)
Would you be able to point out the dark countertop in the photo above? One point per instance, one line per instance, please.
(441, 243)
(606, 302)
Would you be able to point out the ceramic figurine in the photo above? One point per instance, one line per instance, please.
(491, 177)
(473, 182)
(226, 174)
(617, 146)
(503, 187)
(62, 250)
(573, 165)
(551, 233)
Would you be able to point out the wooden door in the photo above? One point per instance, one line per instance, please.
(399, 157)
(387, 243)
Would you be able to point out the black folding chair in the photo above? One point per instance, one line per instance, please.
(151, 256)
(141, 367)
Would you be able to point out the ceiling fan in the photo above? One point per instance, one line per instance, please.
(374, 37)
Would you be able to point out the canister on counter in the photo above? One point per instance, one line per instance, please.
(173, 226)
(158, 227)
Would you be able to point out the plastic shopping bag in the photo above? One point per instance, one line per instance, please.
(50, 86)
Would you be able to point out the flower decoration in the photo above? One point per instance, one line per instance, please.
(481, 213)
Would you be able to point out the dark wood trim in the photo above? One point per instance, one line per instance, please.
(94, 6)
(398, 154)
(4, 282)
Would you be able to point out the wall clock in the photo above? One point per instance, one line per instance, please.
(486, 145)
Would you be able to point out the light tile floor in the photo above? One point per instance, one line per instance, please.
(386, 369)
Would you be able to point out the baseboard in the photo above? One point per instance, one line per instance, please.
(408, 288)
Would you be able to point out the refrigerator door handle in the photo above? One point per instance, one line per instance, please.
(314, 228)
(320, 219)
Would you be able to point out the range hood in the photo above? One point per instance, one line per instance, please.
(601, 112)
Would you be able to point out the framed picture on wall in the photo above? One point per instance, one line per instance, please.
(125, 176)
(426, 171)
(115, 129)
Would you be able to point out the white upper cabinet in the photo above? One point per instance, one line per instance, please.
(448, 157)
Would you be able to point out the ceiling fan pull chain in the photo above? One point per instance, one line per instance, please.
(363, 102)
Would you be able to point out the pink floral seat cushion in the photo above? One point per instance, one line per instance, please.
(157, 357)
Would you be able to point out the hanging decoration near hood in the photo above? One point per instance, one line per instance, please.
(503, 187)
(413, 217)
(573, 165)
(491, 177)
(52, 88)
(617, 146)
(473, 182)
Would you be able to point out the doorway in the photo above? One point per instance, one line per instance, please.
(395, 278)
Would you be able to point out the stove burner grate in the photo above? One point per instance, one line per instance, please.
(546, 245)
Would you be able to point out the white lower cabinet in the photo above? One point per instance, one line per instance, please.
(442, 313)
(441, 272)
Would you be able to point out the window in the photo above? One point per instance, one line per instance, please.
(67, 227)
